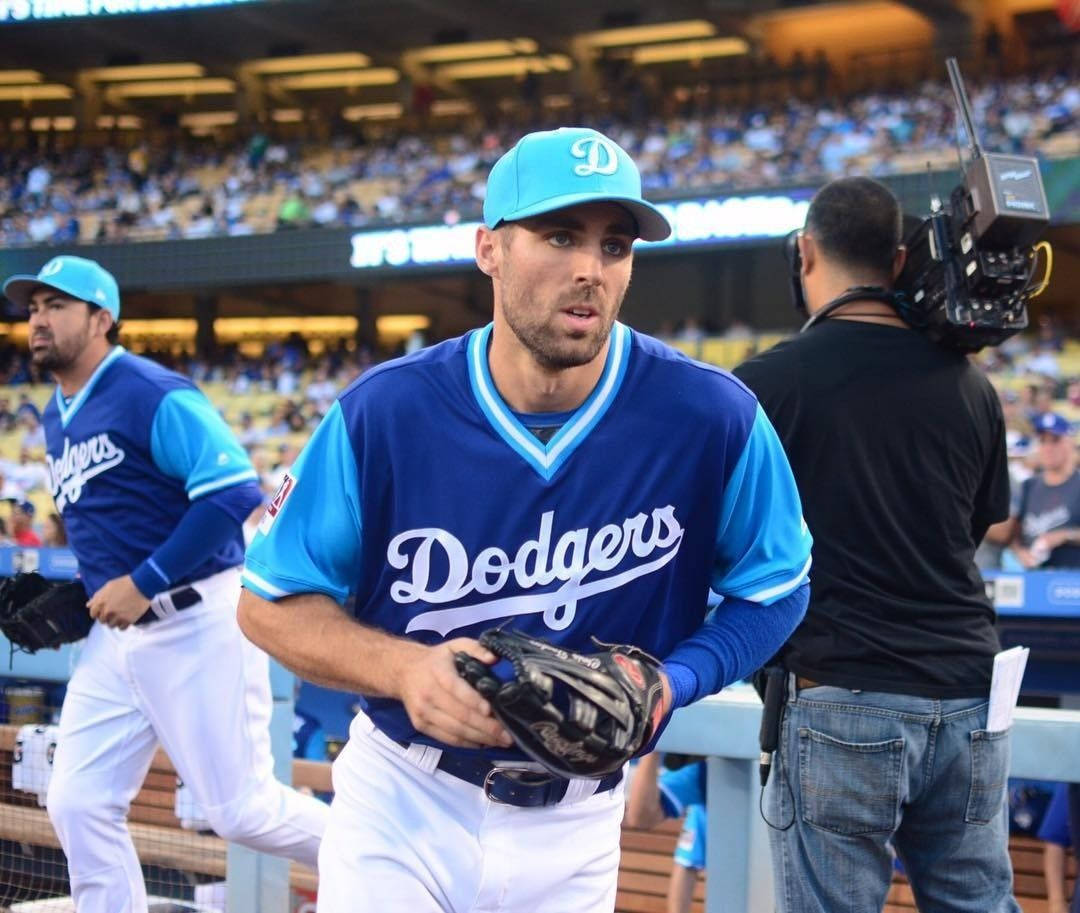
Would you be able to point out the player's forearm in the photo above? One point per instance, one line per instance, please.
(1054, 872)
(681, 888)
(298, 631)
(643, 808)
(736, 639)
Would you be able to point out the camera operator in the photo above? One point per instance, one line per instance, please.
(897, 444)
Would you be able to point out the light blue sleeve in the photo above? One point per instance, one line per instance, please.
(308, 540)
(690, 848)
(206, 461)
(683, 787)
(762, 545)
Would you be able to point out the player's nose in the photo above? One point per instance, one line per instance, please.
(589, 267)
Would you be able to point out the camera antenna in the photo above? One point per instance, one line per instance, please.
(962, 106)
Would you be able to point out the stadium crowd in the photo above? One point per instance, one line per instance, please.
(189, 187)
(276, 400)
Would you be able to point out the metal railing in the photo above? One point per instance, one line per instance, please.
(723, 727)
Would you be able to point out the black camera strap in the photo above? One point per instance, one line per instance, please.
(855, 293)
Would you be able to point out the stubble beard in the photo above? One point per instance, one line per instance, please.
(57, 358)
(555, 350)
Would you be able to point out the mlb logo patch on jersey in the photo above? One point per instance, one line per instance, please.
(276, 503)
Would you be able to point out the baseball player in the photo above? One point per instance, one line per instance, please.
(153, 488)
(553, 472)
(655, 795)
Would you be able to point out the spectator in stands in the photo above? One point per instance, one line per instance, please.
(26, 405)
(22, 524)
(653, 796)
(28, 474)
(1043, 361)
(322, 390)
(7, 417)
(1044, 528)
(423, 176)
(285, 379)
(55, 535)
(247, 433)
(294, 212)
(10, 489)
(33, 437)
(1058, 831)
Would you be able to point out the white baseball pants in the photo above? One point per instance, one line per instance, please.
(406, 837)
(195, 684)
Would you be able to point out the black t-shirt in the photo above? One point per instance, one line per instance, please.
(898, 448)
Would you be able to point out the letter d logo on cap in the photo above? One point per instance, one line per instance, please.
(600, 156)
(51, 268)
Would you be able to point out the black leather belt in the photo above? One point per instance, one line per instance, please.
(515, 786)
(183, 597)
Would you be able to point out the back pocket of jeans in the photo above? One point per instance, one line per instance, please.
(989, 773)
(849, 787)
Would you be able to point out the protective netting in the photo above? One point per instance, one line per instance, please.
(184, 864)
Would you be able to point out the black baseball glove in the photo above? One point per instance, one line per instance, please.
(578, 714)
(37, 615)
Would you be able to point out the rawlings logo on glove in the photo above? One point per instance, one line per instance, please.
(578, 714)
(37, 615)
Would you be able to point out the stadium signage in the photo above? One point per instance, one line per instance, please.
(710, 221)
(33, 10)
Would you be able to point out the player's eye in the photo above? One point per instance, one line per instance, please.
(616, 247)
(560, 238)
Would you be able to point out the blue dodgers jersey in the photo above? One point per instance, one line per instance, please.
(682, 788)
(126, 457)
(690, 847)
(423, 496)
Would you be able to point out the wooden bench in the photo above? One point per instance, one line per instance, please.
(156, 831)
(645, 867)
(643, 871)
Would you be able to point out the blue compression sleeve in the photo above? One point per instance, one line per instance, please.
(206, 526)
(734, 641)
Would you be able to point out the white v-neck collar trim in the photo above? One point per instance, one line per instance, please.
(547, 458)
(68, 410)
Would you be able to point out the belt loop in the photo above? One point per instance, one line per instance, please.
(423, 756)
(792, 687)
(578, 789)
(162, 605)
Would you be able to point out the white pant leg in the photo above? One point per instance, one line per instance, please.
(563, 859)
(399, 838)
(206, 690)
(402, 837)
(105, 746)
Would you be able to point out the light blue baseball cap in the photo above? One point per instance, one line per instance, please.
(553, 169)
(78, 277)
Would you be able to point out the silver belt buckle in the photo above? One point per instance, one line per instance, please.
(521, 774)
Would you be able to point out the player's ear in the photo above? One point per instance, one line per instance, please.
(488, 249)
(104, 320)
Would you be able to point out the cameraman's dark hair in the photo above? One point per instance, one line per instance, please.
(113, 336)
(858, 223)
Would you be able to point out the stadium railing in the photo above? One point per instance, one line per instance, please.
(1046, 744)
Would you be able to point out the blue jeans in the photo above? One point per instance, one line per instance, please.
(859, 774)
